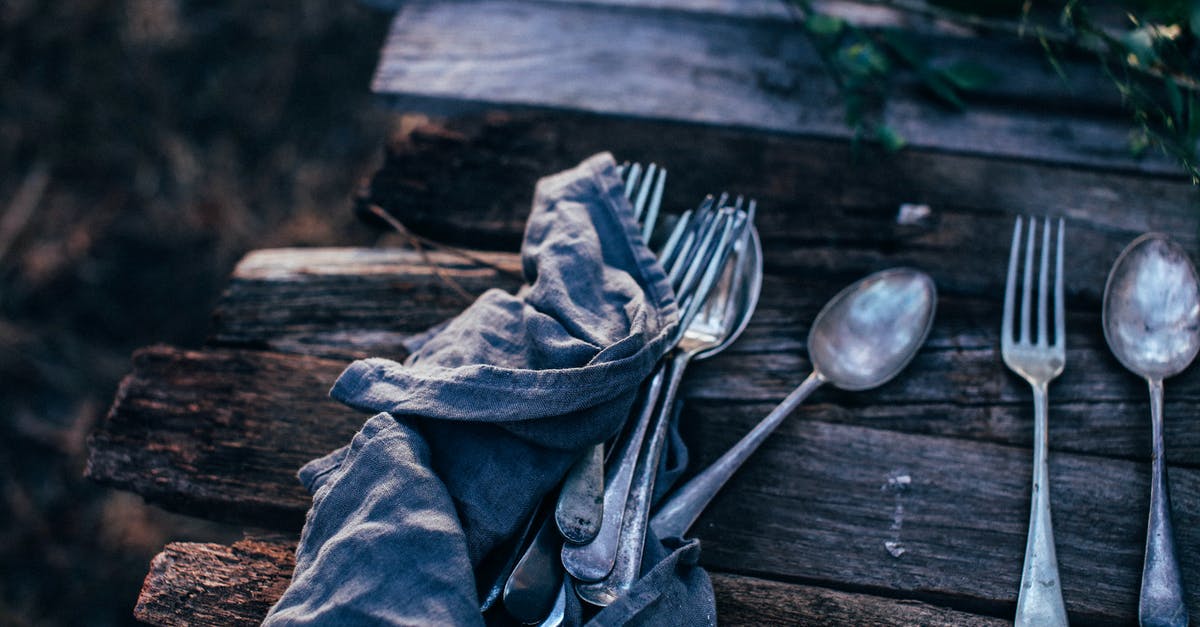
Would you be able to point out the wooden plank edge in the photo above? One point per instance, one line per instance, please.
(216, 584)
(1016, 131)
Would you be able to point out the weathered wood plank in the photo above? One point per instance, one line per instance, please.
(745, 600)
(193, 583)
(761, 73)
(808, 508)
(821, 503)
(213, 584)
(824, 208)
(351, 303)
(221, 434)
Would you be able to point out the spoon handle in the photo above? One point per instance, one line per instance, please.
(1040, 601)
(530, 591)
(594, 560)
(1161, 600)
(580, 506)
(684, 507)
(635, 521)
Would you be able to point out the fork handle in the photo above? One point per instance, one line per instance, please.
(1161, 602)
(1040, 602)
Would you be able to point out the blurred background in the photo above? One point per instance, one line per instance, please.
(145, 145)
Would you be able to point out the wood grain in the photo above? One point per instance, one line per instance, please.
(745, 600)
(349, 303)
(753, 71)
(213, 584)
(221, 432)
(193, 583)
(903, 505)
(832, 497)
(352, 303)
(825, 208)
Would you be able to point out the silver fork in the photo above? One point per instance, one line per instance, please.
(580, 506)
(697, 334)
(1039, 362)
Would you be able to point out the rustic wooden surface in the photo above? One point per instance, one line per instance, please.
(235, 584)
(903, 505)
(192, 583)
(230, 425)
(726, 64)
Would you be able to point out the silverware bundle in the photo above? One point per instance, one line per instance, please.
(861, 339)
(1151, 318)
(713, 260)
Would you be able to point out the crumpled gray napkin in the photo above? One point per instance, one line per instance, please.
(484, 419)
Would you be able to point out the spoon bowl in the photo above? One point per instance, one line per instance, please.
(1152, 308)
(870, 331)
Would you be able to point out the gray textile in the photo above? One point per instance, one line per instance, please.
(484, 419)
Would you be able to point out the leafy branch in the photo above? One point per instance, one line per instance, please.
(863, 62)
(1152, 60)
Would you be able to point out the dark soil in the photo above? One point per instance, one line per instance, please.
(145, 145)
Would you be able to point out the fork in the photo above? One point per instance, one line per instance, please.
(707, 322)
(580, 506)
(690, 246)
(1039, 362)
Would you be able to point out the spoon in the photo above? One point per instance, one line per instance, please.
(861, 339)
(1152, 324)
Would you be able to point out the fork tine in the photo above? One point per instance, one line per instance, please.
(713, 262)
(693, 244)
(1027, 287)
(716, 274)
(1060, 322)
(1043, 283)
(722, 200)
(644, 192)
(655, 203)
(669, 250)
(695, 265)
(1010, 286)
(635, 171)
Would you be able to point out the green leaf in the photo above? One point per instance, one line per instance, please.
(863, 59)
(1176, 99)
(854, 109)
(824, 25)
(905, 48)
(1138, 143)
(942, 89)
(1193, 117)
(968, 76)
(891, 140)
(1139, 43)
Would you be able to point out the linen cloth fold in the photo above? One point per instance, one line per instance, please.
(483, 420)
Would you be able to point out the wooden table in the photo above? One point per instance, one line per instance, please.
(904, 505)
